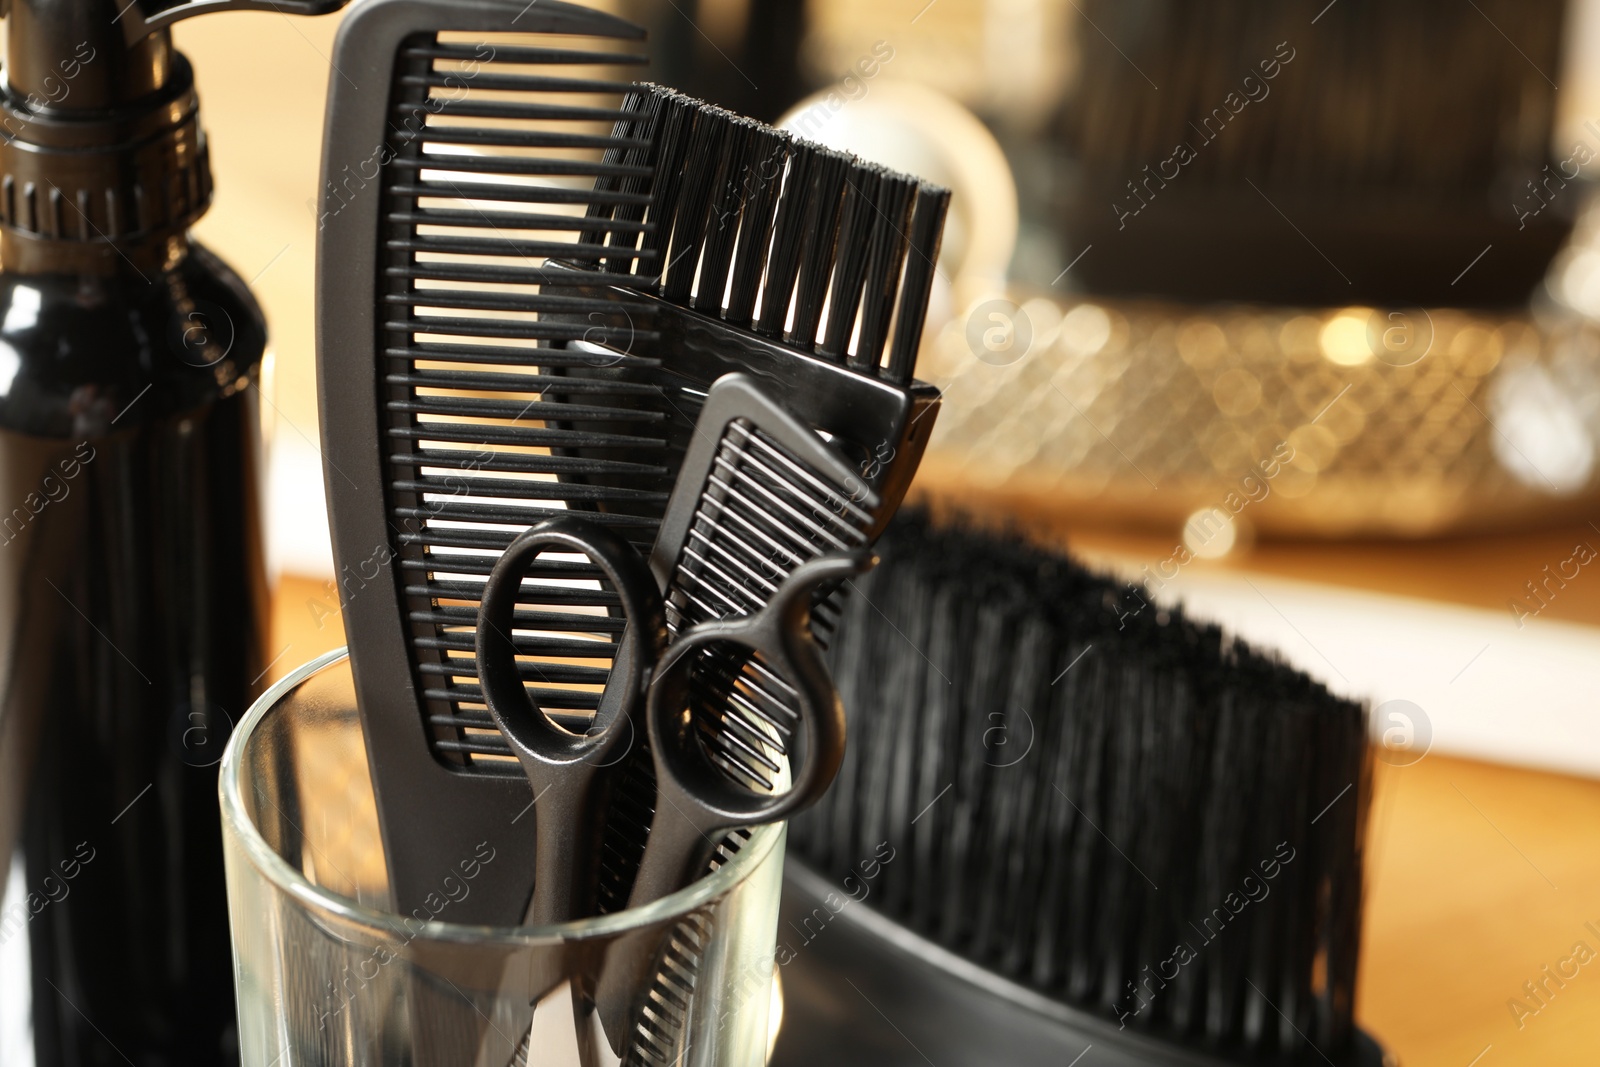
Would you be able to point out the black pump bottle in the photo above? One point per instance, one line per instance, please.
(132, 593)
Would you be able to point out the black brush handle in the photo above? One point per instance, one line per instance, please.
(847, 969)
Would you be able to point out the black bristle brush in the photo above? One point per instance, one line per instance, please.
(1135, 832)
(791, 263)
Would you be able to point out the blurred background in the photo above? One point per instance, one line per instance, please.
(1288, 310)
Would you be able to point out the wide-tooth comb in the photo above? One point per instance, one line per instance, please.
(443, 339)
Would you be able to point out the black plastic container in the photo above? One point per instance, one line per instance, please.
(133, 598)
(864, 991)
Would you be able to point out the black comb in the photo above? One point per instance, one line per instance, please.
(467, 158)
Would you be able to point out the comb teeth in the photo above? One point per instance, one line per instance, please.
(762, 513)
(483, 428)
(828, 245)
(659, 1034)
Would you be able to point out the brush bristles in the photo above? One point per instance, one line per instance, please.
(799, 243)
(1097, 797)
(703, 159)
(886, 247)
(788, 231)
(759, 186)
(820, 226)
(849, 276)
(722, 224)
(927, 231)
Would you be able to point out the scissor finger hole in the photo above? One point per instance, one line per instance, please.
(556, 683)
(744, 747)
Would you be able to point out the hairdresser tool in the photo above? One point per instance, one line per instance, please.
(1034, 750)
(486, 362)
(442, 200)
(130, 554)
(751, 214)
(775, 504)
(744, 543)
(648, 976)
(697, 803)
(697, 800)
(742, 214)
(743, 547)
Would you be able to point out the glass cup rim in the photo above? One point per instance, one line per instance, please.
(277, 871)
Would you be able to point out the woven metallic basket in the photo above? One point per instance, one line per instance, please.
(1321, 421)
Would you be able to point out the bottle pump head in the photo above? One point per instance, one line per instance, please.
(101, 149)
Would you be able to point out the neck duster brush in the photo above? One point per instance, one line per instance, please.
(1096, 820)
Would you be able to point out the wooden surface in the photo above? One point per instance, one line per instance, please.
(1480, 875)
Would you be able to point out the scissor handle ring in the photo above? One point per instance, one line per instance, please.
(529, 730)
(781, 634)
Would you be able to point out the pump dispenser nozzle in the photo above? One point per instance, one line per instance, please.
(101, 150)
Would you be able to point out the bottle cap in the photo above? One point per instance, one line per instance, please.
(101, 148)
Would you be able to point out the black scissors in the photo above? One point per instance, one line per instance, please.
(649, 685)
